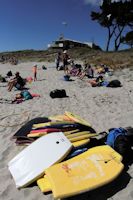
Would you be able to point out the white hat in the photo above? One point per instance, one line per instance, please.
(65, 51)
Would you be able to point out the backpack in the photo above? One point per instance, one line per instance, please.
(58, 93)
(114, 84)
(67, 78)
(9, 73)
(122, 145)
(118, 139)
(113, 134)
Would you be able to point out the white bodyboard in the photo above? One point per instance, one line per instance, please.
(31, 163)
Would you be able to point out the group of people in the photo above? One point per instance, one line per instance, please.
(72, 69)
(19, 83)
(62, 58)
(11, 59)
(96, 74)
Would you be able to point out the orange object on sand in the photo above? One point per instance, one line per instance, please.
(35, 95)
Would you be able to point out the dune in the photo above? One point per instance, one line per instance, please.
(103, 107)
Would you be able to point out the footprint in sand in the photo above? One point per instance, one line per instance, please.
(4, 157)
(6, 193)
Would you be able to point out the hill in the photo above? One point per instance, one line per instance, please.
(120, 59)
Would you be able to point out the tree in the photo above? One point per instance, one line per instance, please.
(128, 39)
(115, 16)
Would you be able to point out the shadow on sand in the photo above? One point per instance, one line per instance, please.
(107, 191)
(41, 79)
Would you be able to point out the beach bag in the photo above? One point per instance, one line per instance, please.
(60, 68)
(9, 73)
(44, 68)
(2, 79)
(58, 93)
(122, 145)
(118, 140)
(66, 77)
(114, 84)
(113, 134)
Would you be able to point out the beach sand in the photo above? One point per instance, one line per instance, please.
(103, 107)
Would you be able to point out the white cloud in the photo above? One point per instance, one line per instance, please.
(98, 2)
(115, 0)
(93, 2)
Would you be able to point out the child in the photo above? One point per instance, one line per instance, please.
(34, 69)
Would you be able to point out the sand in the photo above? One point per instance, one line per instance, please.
(103, 107)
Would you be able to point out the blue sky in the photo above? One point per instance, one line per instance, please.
(33, 24)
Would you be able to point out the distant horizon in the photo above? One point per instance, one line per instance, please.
(33, 24)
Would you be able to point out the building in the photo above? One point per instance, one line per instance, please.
(63, 43)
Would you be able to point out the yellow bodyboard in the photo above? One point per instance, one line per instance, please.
(44, 184)
(40, 133)
(51, 123)
(85, 172)
(77, 118)
(78, 138)
(59, 118)
(81, 142)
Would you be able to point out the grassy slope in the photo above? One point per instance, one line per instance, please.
(113, 59)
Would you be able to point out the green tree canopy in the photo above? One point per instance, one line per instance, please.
(115, 16)
(128, 39)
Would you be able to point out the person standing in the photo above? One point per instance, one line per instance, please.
(66, 57)
(58, 60)
(34, 69)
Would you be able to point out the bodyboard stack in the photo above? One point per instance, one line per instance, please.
(78, 133)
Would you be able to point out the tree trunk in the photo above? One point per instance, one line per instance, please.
(108, 42)
(118, 38)
(110, 34)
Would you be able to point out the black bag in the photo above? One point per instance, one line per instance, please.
(114, 84)
(123, 147)
(3, 80)
(9, 73)
(60, 68)
(58, 93)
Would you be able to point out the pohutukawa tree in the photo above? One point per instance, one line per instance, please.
(116, 17)
(128, 39)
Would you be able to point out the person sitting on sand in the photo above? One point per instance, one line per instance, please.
(96, 82)
(75, 69)
(99, 81)
(102, 69)
(17, 82)
(88, 71)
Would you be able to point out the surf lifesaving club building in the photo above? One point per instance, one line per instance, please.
(63, 43)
